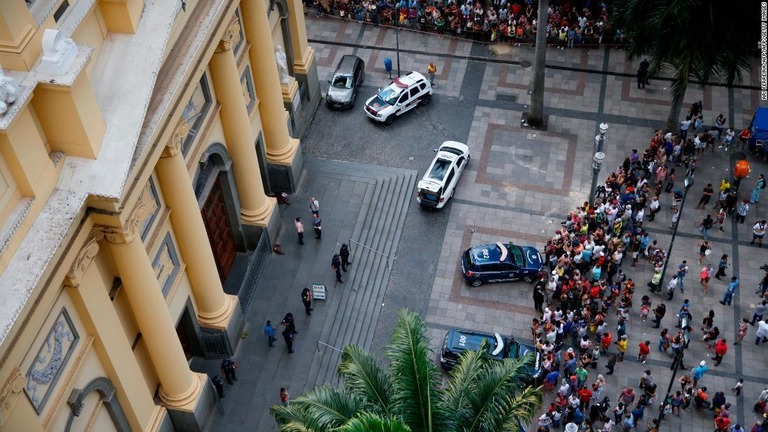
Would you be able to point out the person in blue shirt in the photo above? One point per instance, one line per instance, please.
(269, 332)
(728, 297)
(698, 372)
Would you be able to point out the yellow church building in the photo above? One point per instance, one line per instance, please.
(142, 143)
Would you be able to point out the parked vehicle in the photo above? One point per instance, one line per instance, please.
(402, 95)
(440, 180)
(500, 262)
(346, 82)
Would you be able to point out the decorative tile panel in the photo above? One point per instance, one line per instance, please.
(51, 360)
(167, 264)
(150, 197)
(249, 94)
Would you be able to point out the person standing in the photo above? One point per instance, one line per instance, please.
(719, 124)
(299, 230)
(644, 350)
(706, 225)
(698, 372)
(741, 210)
(538, 297)
(684, 126)
(432, 70)
(721, 347)
(706, 274)
(344, 254)
(742, 332)
(611, 363)
(706, 196)
(269, 332)
(228, 369)
(759, 186)
(622, 345)
(760, 310)
(682, 271)
(306, 299)
(285, 398)
(761, 335)
(218, 384)
(721, 266)
(671, 285)
(642, 74)
(317, 225)
(758, 232)
(659, 313)
(654, 207)
(728, 297)
(336, 266)
(288, 337)
(314, 206)
(288, 323)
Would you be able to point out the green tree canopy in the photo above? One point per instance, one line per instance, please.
(702, 39)
(481, 395)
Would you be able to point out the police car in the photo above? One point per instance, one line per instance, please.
(499, 348)
(500, 262)
(440, 179)
(402, 95)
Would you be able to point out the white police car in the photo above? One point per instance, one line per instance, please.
(402, 95)
(440, 179)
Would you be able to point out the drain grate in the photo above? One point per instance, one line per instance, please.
(527, 158)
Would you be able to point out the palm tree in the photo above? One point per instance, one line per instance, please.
(702, 39)
(482, 395)
(536, 113)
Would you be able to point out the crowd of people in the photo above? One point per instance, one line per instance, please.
(586, 298)
(570, 24)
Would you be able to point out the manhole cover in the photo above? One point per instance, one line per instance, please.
(527, 158)
(525, 64)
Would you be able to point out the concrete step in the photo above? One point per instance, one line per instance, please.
(363, 259)
(336, 302)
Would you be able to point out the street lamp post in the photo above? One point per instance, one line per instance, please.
(688, 182)
(597, 160)
(397, 39)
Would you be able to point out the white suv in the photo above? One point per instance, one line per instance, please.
(402, 95)
(440, 179)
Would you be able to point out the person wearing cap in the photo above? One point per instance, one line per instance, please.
(622, 345)
(698, 372)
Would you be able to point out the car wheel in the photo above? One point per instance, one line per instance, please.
(469, 158)
(476, 283)
(389, 120)
(426, 99)
(528, 279)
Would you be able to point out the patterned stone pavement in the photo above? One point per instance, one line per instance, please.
(519, 186)
(522, 183)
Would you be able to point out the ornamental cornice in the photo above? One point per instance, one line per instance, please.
(10, 393)
(173, 147)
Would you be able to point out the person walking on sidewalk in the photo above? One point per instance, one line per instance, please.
(671, 285)
(761, 335)
(721, 266)
(758, 232)
(288, 337)
(306, 299)
(269, 332)
(682, 271)
(314, 206)
(706, 225)
(285, 398)
(432, 70)
(741, 210)
(299, 230)
(344, 254)
(705, 275)
(218, 384)
(705, 196)
(728, 297)
(317, 225)
(336, 266)
(698, 372)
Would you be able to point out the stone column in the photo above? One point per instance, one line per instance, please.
(280, 146)
(256, 207)
(303, 54)
(214, 307)
(179, 387)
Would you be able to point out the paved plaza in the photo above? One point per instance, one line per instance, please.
(520, 185)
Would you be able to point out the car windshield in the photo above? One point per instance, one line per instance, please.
(439, 169)
(390, 95)
(517, 255)
(468, 259)
(342, 82)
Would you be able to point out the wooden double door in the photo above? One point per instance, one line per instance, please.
(219, 230)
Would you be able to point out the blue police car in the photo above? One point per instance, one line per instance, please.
(499, 348)
(500, 262)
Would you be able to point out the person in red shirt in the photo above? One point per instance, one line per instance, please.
(744, 136)
(606, 341)
(585, 394)
(722, 423)
(645, 349)
(721, 347)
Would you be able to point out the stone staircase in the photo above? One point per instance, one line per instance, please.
(359, 299)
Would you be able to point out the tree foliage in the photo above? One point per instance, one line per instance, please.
(482, 395)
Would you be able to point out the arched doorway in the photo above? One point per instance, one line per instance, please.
(217, 198)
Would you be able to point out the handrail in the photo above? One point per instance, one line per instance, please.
(372, 250)
(326, 345)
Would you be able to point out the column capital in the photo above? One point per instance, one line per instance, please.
(173, 147)
(83, 260)
(130, 230)
(227, 41)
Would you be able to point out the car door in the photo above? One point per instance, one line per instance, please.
(510, 272)
(413, 100)
(492, 272)
(450, 183)
(402, 103)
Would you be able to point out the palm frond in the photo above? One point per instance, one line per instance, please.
(416, 397)
(464, 378)
(322, 409)
(522, 409)
(370, 422)
(365, 378)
